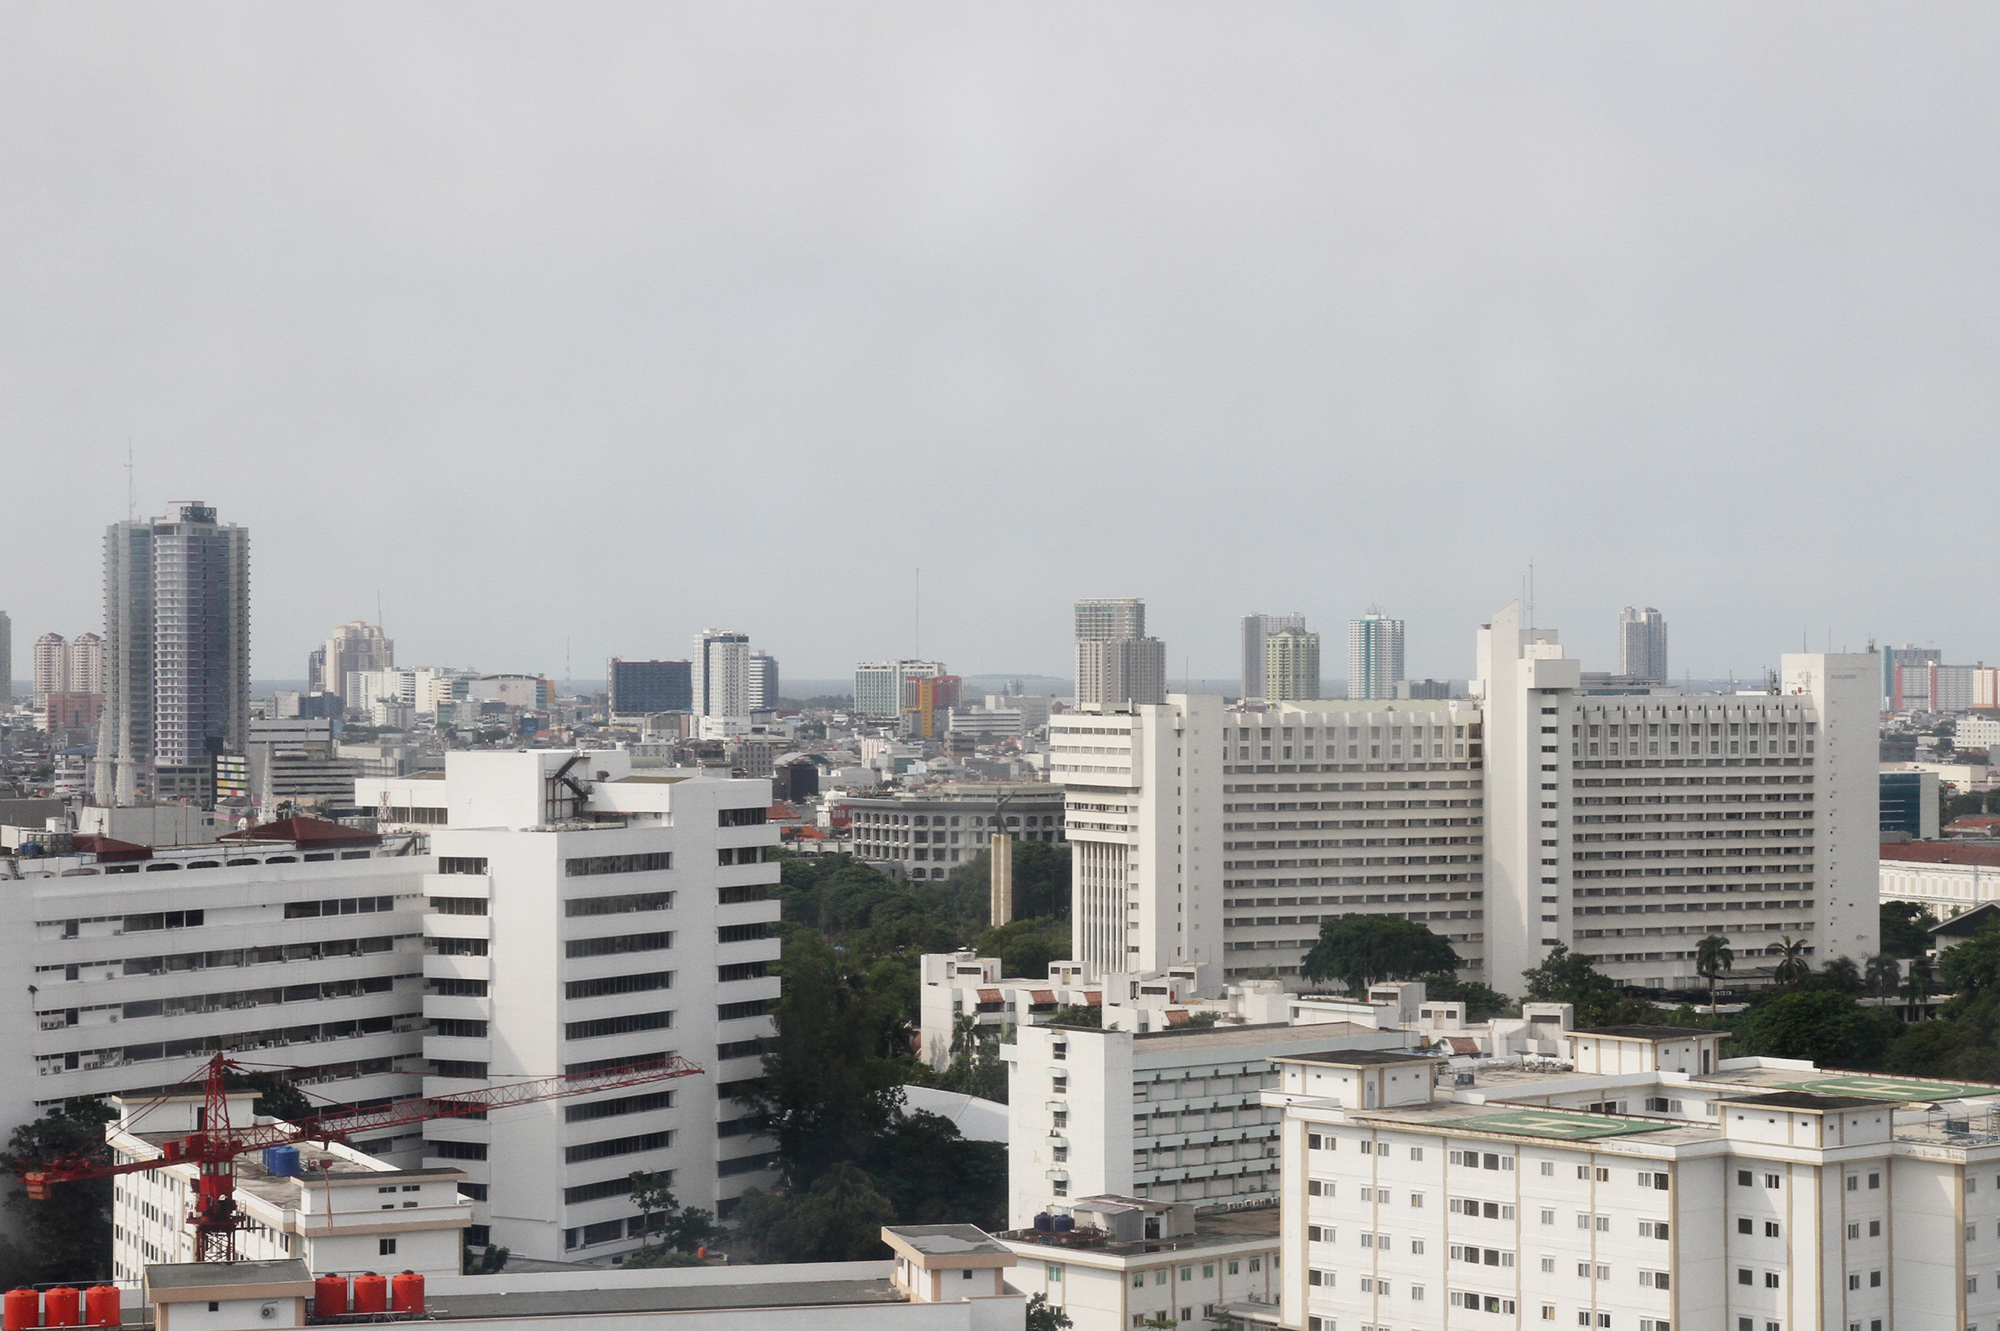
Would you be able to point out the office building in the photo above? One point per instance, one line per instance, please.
(1752, 816)
(927, 704)
(1204, 833)
(925, 833)
(1652, 1187)
(1291, 669)
(763, 682)
(641, 688)
(1642, 645)
(1116, 663)
(1909, 805)
(1374, 655)
(1256, 630)
(176, 648)
(879, 686)
(583, 916)
(296, 943)
(353, 648)
(1894, 659)
(720, 674)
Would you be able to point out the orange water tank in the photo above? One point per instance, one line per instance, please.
(63, 1306)
(371, 1293)
(103, 1306)
(20, 1310)
(330, 1296)
(406, 1293)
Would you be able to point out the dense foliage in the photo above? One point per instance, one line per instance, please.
(1360, 950)
(68, 1236)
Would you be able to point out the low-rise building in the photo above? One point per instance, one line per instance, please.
(924, 833)
(1949, 877)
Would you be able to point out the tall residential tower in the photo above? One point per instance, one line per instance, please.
(176, 648)
(1257, 629)
(1374, 655)
(1642, 645)
(1116, 663)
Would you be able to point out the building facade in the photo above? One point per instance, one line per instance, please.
(51, 665)
(1949, 877)
(720, 679)
(352, 648)
(1642, 644)
(879, 686)
(1257, 629)
(1116, 663)
(1291, 670)
(763, 682)
(1752, 816)
(925, 833)
(176, 647)
(641, 688)
(586, 916)
(1201, 832)
(1374, 655)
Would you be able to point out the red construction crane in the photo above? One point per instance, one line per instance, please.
(215, 1145)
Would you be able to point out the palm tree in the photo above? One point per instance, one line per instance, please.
(1712, 957)
(1792, 964)
(1918, 987)
(1885, 974)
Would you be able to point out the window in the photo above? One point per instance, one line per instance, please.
(600, 864)
(755, 1007)
(1874, 1181)
(450, 905)
(1234, 1266)
(385, 1247)
(1853, 1182)
(1770, 1280)
(461, 864)
(1658, 1181)
(1653, 1229)
(1653, 1280)
(1743, 1179)
(636, 1021)
(1770, 1229)
(1854, 1231)
(1874, 1229)
(742, 970)
(1743, 1276)
(619, 984)
(1773, 1181)
(621, 905)
(1874, 1280)
(1548, 1217)
(1055, 1273)
(615, 944)
(1548, 1168)
(1416, 1153)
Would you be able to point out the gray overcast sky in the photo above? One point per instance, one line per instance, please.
(606, 322)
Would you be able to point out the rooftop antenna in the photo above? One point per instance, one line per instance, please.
(1531, 593)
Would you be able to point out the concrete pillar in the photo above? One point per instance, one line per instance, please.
(1000, 878)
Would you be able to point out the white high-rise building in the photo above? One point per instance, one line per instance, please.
(355, 647)
(721, 674)
(1200, 832)
(1116, 663)
(763, 682)
(1291, 668)
(1642, 645)
(1630, 827)
(1256, 629)
(176, 647)
(1374, 655)
(51, 665)
(586, 916)
(878, 686)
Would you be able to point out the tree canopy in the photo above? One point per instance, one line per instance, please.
(1360, 950)
(1906, 927)
(1828, 1027)
(68, 1236)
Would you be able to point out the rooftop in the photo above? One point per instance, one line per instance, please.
(948, 1240)
(1942, 852)
(1807, 1100)
(195, 1275)
(1355, 1058)
(750, 1293)
(1212, 1229)
(1654, 1033)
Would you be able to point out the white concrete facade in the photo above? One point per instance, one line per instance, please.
(586, 916)
(1950, 879)
(1784, 785)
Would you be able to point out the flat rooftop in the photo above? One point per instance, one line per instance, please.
(1807, 1100)
(750, 1293)
(1655, 1033)
(1350, 1058)
(1212, 1229)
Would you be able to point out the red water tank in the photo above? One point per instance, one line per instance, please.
(20, 1310)
(103, 1306)
(371, 1293)
(330, 1296)
(62, 1306)
(406, 1293)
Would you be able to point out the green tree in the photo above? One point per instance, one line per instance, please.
(932, 1175)
(1359, 950)
(68, 1235)
(1044, 1316)
(1883, 975)
(1078, 1014)
(1480, 1001)
(1792, 964)
(1842, 974)
(976, 1067)
(1567, 977)
(830, 1087)
(838, 1219)
(1948, 1049)
(1831, 1029)
(649, 1257)
(1026, 947)
(1041, 884)
(1906, 928)
(1713, 957)
(1971, 969)
(1917, 988)
(681, 1229)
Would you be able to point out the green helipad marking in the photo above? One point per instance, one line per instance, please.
(1892, 1088)
(1569, 1127)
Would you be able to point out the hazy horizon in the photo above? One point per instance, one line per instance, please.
(568, 333)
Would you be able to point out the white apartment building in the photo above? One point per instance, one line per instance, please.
(1205, 833)
(720, 673)
(878, 686)
(1754, 813)
(1951, 878)
(1171, 1115)
(337, 1208)
(142, 964)
(1758, 1193)
(583, 916)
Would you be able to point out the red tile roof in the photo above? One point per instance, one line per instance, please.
(110, 849)
(1941, 852)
